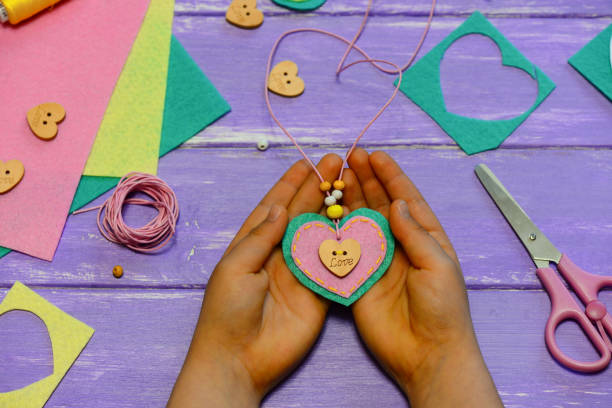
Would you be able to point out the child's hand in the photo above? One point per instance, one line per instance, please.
(416, 319)
(257, 320)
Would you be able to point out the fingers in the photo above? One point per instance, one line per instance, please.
(400, 187)
(252, 251)
(280, 194)
(422, 249)
(353, 197)
(309, 198)
(373, 191)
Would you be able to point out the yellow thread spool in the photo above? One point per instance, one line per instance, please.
(15, 11)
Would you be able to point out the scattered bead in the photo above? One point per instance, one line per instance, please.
(339, 185)
(335, 211)
(118, 271)
(330, 200)
(325, 186)
(337, 194)
(262, 144)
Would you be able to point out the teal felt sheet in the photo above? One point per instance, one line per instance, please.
(421, 83)
(300, 220)
(593, 62)
(192, 103)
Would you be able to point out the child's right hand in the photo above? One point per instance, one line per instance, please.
(416, 318)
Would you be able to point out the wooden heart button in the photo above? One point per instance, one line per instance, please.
(244, 14)
(284, 80)
(43, 119)
(11, 174)
(340, 257)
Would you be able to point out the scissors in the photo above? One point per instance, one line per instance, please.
(594, 319)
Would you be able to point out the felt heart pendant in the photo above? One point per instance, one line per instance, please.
(11, 174)
(306, 249)
(244, 14)
(43, 119)
(284, 81)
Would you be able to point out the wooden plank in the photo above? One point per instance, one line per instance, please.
(566, 192)
(142, 336)
(540, 8)
(575, 114)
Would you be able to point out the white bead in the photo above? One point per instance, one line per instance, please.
(337, 194)
(330, 200)
(262, 144)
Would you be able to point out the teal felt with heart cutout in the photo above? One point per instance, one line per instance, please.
(307, 232)
(421, 83)
(300, 5)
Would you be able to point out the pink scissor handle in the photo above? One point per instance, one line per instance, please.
(564, 307)
(587, 286)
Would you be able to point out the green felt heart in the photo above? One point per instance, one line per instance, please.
(306, 233)
(300, 5)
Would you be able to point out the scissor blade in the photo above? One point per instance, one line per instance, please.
(539, 247)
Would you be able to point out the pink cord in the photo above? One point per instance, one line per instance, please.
(341, 67)
(157, 232)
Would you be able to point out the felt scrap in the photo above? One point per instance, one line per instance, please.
(594, 62)
(128, 138)
(421, 83)
(305, 234)
(192, 103)
(72, 56)
(300, 5)
(68, 335)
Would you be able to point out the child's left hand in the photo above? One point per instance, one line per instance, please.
(257, 320)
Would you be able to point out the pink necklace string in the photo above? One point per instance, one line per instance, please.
(150, 237)
(341, 68)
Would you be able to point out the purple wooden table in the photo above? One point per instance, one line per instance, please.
(558, 164)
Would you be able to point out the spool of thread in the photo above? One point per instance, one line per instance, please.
(15, 11)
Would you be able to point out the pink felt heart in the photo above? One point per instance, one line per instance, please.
(25, 350)
(475, 84)
(309, 237)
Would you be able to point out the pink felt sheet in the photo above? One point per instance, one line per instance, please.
(72, 55)
(305, 253)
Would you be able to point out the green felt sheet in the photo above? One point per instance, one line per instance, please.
(593, 62)
(421, 83)
(192, 103)
(300, 220)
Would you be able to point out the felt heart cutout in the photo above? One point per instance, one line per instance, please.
(461, 70)
(244, 14)
(284, 81)
(11, 174)
(340, 258)
(305, 236)
(300, 5)
(26, 352)
(43, 119)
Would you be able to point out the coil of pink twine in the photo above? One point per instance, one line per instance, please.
(157, 232)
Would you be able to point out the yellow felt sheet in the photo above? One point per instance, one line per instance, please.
(68, 338)
(129, 136)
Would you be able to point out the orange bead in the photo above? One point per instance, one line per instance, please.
(325, 186)
(118, 271)
(339, 185)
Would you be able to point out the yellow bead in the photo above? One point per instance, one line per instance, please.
(334, 211)
(118, 271)
(325, 186)
(339, 185)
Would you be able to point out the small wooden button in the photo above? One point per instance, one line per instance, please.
(244, 14)
(284, 80)
(43, 119)
(118, 271)
(11, 174)
(340, 258)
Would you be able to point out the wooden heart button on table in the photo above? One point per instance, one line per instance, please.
(43, 119)
(11, 174)
(244, 14)
(284, 79)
